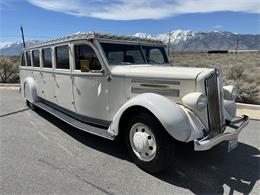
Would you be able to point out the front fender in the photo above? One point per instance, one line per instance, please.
(170, 115)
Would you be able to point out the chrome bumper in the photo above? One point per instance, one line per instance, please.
(208, 142)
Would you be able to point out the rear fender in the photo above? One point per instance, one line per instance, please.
(29, 90)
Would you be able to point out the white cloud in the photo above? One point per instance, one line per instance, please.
(144, 9)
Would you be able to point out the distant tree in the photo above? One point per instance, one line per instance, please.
(9, 69)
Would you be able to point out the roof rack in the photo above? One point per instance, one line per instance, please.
(93, 35)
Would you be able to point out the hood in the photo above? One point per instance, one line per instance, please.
(156, 71)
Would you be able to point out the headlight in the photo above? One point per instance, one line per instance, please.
(229, 92)
(202, 102)
(195, 100)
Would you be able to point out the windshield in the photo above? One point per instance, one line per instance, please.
(117, 53)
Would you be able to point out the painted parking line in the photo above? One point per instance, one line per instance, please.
(65, 149)
(33, 124)
(43, 136)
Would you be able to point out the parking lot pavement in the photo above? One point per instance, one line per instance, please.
(41, 154)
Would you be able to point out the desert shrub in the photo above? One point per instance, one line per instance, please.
(241, 70)
(245, 84)
(9, 69)
(235, 72)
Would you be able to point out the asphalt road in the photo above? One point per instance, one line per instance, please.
(41, 154)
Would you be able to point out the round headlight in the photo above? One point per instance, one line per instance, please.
(195, 101)
(230, 93)
(202, 102)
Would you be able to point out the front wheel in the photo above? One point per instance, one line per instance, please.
(149, 145)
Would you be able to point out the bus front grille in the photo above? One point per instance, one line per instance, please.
(215, 107)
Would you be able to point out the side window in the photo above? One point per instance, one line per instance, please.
(23, 63)
(86, 58)
(36, 58)
(62, 57)
(28, 58)
(46, 55)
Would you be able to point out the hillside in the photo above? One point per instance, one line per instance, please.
(192, 41)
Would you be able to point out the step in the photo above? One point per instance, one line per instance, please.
(74, 122)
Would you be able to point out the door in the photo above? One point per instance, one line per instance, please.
(37, 74)
(89, 85)
(63, 78)
(48, 75)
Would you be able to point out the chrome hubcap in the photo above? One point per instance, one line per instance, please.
(142, 141)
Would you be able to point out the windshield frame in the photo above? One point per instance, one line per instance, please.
(136, 43)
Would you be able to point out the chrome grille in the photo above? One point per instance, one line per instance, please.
(214, 93)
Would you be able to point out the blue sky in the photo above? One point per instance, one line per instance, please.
(45, 19)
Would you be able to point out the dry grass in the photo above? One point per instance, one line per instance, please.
(241, 70)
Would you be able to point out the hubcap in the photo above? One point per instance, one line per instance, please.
(142, 141)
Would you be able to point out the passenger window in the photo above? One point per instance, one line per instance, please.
(46, 54)
(86, 59)
(28, 58)
(62, 57)
(23, 60)
(36, 58)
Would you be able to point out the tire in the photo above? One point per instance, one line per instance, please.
(149, 145)
(30, 105)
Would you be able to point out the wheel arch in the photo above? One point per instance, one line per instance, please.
(167, 112)
(29, 90)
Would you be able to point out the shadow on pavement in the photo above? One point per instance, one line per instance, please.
(201, 172)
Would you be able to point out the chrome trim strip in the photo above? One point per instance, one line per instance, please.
(156, 81)
(208, 142)
(162, 91)
(154, 85)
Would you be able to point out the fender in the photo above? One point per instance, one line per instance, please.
(170, 114)
(29, 89)
(229, 109)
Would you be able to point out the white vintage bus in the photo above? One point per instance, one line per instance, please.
(124, 87)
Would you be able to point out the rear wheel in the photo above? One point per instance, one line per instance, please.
(149, 145)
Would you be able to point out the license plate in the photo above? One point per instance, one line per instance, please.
(232, 144)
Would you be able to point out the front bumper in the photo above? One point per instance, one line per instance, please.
(231, 133)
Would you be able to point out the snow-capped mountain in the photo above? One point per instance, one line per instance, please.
(14, 48)
(193, 41)
(180, 41)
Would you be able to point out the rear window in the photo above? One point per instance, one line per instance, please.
(28, 58)
(62, 57)
(36, 58)
(46, 55)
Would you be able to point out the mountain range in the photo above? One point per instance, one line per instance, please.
(180, 41)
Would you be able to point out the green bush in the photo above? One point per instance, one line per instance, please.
(9, 69)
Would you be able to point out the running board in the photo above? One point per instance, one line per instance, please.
(74, 122)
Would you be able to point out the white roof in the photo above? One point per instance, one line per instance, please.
(94, 35)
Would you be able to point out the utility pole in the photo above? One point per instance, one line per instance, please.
(22, 36)
(238, 37)
(169, 43)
